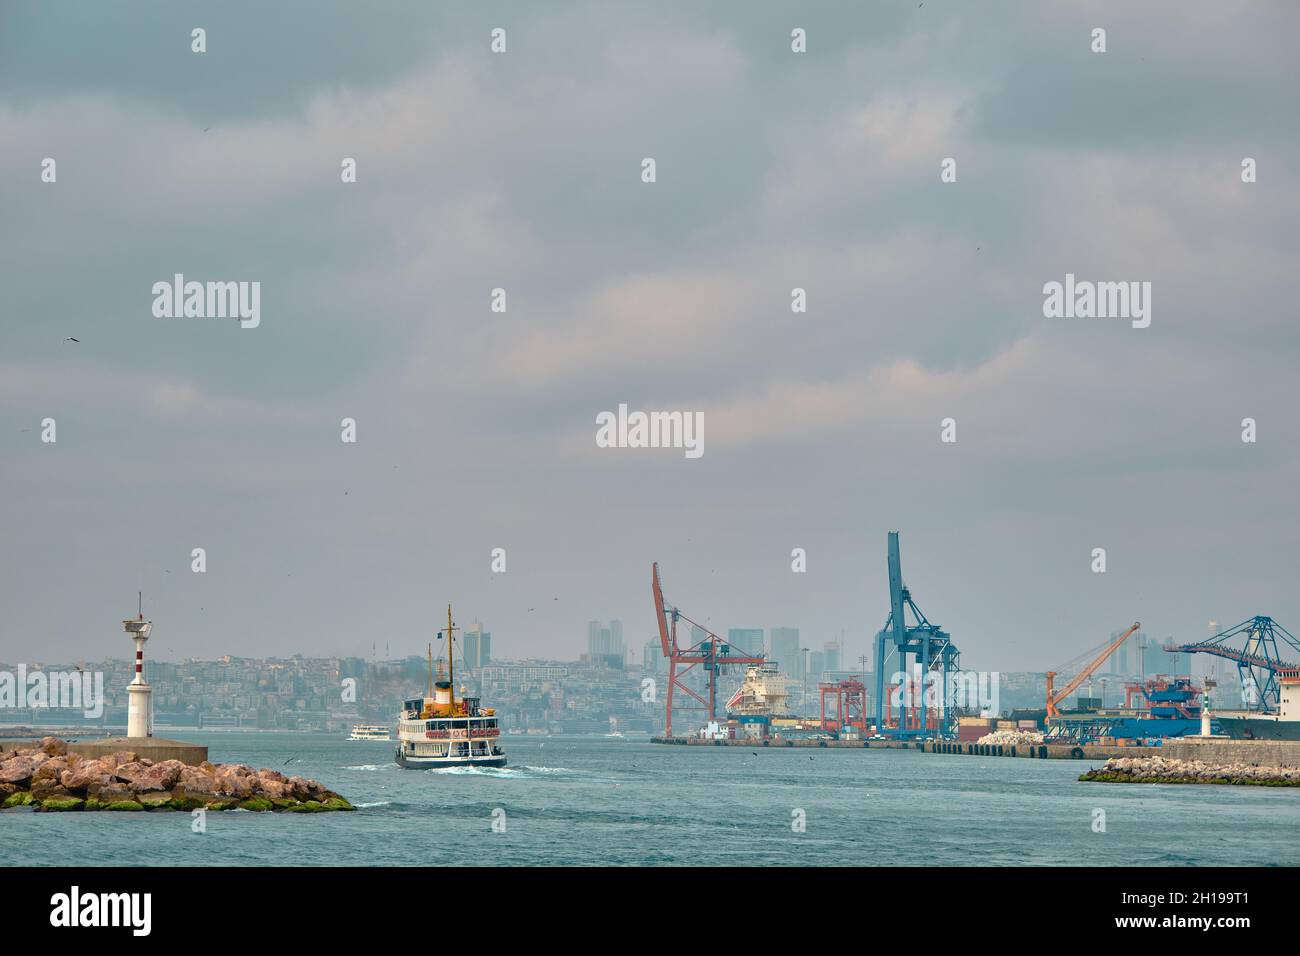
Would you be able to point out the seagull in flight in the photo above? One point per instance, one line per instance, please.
(71, 339)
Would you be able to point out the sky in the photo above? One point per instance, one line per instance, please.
(522, 170)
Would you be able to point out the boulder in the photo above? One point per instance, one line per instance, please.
(85, 776)
(53, 747)
(273, 789)
(159, 776)
(21, 768)
(232, 784)
(44, 790)
(112, 791)
(51, 769)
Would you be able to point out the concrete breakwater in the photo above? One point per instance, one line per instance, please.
(1157, 769)
(47, 777)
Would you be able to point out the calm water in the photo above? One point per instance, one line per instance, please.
(571, 800)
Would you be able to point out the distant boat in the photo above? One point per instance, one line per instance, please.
(370, 732)
(614, 734)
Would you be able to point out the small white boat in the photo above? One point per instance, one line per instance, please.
(370, 732)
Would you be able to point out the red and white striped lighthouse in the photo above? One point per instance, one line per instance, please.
(139, 701)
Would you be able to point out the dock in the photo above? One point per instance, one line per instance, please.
(1034, 751)
(1262, 753)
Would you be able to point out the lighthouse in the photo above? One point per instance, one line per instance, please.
(139, 737)
(139, 701)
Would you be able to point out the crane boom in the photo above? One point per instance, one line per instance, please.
(659, 611)
(1070, 688)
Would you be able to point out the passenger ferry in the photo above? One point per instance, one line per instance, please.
(369, 732)
(441, 730)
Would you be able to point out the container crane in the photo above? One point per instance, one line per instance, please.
(711, 652)
(1257, 658)
(1054, 699)
(932, 652)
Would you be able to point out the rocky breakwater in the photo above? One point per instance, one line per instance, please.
(47, 777)
(1155, 769)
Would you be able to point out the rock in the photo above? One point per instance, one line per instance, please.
(46, 789)
(233, 784)
(21, 768)
(195, 781)
(62, 803)
(120, 757)
(257, 804)
(272, 789)
(111, 791)
(155, 799)
(89, 773)
(53, 746)
(160, 776)
(52, 768)
(297, 788)
(22, 798)
(123, 805)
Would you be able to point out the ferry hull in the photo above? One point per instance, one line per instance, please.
(429, 763)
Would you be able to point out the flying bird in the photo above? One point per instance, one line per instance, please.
(71, 339)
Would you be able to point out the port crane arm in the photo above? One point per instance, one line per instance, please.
(1053, 699)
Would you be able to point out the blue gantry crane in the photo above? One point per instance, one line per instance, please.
(1256, 657)
(931, 651)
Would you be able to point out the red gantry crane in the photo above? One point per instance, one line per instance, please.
(711, 652)
(1053, 699)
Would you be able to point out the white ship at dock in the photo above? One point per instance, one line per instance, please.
(443, 730)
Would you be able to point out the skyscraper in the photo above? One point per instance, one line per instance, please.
(746, 639)
(783, 647)
(831, 655)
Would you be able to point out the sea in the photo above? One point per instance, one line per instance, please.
(592, 801)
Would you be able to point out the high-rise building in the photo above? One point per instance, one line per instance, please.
(475, 646)
(831, 655)
(745, 639)
(605, 644)
(816, 664)
(783, 647)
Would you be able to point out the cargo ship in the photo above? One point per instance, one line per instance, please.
(1284, 725)
(443, 730)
